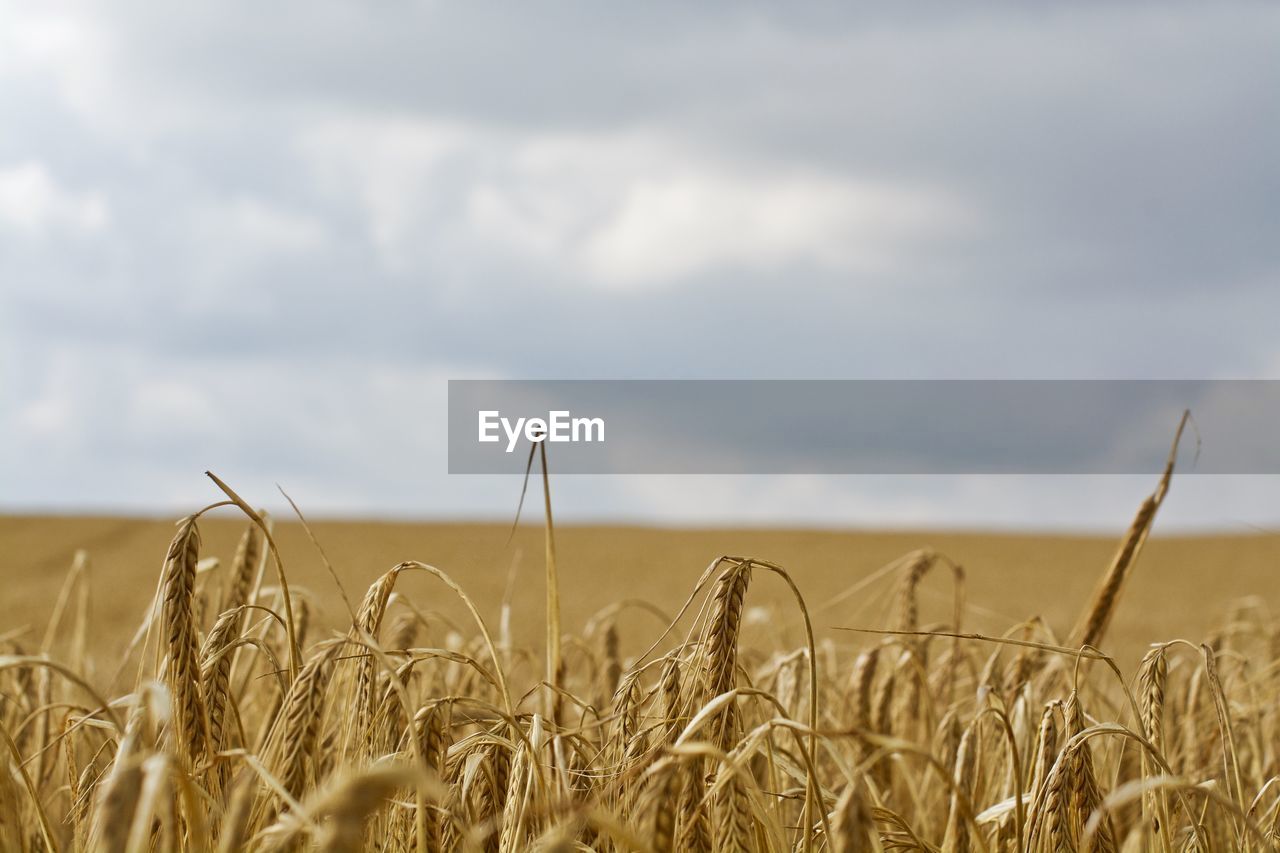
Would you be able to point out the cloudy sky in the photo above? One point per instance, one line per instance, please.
(258, 238)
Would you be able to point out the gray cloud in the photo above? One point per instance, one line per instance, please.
(311, 226)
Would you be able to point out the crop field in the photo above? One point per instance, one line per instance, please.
(233, 681)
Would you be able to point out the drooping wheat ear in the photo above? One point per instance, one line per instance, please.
(431, 727)
(1221, 706)
(853, 827)
(1093, 625)
(626, 725)
(1085, 795)
(863, 679)
(244, 568)
(369, 622)
(300, 717)
(695, 829)
(882, 705)
(1192, 757)
(725, 620)
(1050, 819)
(1025, 663)
(1044, 765)
(181, 663)
(215, 676)
(74, 797)
(612, 660)
(908, 711)
(489, 789)
(451, 809)
(672, 712)
(513, 824)
(735, 825)
(78, 813)
(946, 739)
(958, 839)
(1152, 677)
(656, 806)
(1046, 750)
(389, 721)
(722, 645)
(328, 752)
(301, 619)
(908, 610)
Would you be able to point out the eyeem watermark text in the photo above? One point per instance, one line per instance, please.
(864, 427)
(558, 426)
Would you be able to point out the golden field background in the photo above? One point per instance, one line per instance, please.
(1180, 587)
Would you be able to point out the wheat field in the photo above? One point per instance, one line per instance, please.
(245, 686)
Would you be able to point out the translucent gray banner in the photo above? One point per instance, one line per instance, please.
(862, 426)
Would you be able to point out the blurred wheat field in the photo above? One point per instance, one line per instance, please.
(1184, 586)
(178, 687)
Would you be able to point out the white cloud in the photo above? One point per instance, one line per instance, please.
(158, 406)
(105, 65)
(256, 225)
(338, 436)
(32, 203)
(44, 415)
(35, 39)
(680, 225)
(71, 48)
(390, 166)
(616, 209)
